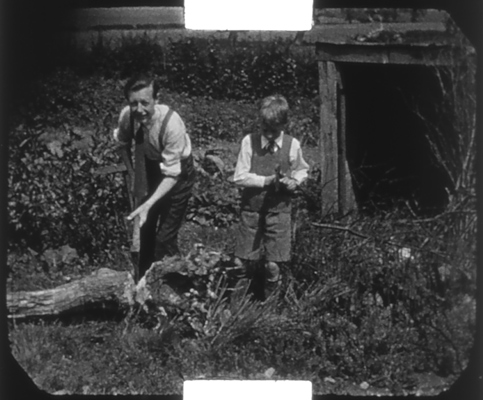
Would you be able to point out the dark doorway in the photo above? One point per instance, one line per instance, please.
(387, 151)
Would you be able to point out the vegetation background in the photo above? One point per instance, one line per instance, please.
(384, 305)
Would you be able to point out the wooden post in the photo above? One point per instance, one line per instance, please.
(337, 193)
(346, 194)
(328, 136)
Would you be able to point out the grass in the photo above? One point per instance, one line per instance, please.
(332, 322)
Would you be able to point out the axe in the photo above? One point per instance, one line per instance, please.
(125, 154)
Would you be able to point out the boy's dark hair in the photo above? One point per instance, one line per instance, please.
(139, 82)
(274, 110)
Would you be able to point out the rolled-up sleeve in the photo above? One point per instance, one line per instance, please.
(122, 133)
(176, 146)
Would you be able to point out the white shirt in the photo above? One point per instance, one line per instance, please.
(243, 177)
(176, 143)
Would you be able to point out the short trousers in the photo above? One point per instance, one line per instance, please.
(264, 234)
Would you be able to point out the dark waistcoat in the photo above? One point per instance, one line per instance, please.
(264, 163)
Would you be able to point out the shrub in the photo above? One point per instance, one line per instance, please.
(201, 67)
(244, 71)
(55, 196)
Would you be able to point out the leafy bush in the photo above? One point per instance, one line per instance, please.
(201, 67)
(245, 71)
(55, 196)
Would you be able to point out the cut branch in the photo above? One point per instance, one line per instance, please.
(386, 241)
(340, 228)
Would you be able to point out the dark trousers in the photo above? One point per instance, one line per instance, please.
(159, 234)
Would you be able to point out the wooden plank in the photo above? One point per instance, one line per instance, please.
(345, 193)
(341, 150)
(341, 34)
(339, 16)
(377, 54)
(328, 137)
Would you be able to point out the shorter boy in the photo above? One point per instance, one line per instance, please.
(270, 166)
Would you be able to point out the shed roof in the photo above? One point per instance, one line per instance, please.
(384, 26)
(387, 36)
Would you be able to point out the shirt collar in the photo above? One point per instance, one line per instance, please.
(278, 141)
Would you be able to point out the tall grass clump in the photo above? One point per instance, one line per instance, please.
(391, 296)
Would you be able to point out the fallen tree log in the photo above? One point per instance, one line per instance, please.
(103, 288)
(162, 286)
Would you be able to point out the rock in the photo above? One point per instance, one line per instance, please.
(213, 164)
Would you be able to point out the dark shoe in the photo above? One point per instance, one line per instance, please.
(271, 288)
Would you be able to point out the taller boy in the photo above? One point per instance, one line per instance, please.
(270, 166)
(164, 172)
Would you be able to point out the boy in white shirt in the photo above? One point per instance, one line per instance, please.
(270, 166)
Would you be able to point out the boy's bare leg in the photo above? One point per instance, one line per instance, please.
(272, 278)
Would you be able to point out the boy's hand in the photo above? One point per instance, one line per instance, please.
(289, 183)
(270, 180)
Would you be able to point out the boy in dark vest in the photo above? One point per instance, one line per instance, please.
(270, 166)
(163, 169)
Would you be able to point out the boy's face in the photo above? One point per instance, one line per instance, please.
(271, 131)
(142, 104)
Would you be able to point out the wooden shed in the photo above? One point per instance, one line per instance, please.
(376, 38)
